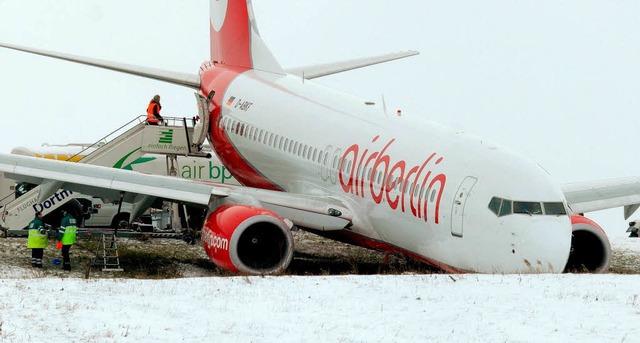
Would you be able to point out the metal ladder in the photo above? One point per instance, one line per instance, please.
(109, 259)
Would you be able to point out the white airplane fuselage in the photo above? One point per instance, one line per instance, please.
(282, 132)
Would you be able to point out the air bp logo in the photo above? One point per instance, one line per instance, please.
(165, 136)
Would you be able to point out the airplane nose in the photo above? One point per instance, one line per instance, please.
(515, 215)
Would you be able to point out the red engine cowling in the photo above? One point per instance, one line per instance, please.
(247, 239)
(590, 247)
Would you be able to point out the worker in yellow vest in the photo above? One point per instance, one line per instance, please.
(67, 236)
(37, 240)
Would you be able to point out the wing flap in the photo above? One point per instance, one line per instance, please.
(91, 179)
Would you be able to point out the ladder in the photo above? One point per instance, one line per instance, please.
(109, 259)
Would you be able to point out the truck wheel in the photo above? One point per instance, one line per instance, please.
(189, 239)
(121, 221)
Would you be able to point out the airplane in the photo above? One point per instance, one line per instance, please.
(338, 166)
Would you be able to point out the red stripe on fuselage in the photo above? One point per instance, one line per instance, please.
(218, 79)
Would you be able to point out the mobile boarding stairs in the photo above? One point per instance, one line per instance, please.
(178, 136)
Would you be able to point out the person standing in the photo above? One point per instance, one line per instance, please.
(37, 240)
(67, 236)
(153, 111)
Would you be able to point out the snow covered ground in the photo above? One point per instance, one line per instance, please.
(512, 308)
(375, 308)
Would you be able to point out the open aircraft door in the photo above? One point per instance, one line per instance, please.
(457, 210)
(201, 128)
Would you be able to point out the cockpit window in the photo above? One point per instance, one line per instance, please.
(527, 207)
(494, 205)
(557, 208)
(505, 209)
(502, 207)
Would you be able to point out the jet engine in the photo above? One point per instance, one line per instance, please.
(247, 239)
(590, 247)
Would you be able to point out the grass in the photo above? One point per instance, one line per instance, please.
(149, 260)
(314, 255)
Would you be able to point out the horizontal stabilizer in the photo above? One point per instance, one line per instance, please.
(183, 79)
(319, 70)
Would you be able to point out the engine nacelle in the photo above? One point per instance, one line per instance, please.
(590, 247)
(247, 239)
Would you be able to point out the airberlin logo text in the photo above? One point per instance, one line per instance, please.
(213, 240)
(374, 174)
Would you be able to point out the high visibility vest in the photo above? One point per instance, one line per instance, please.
(151, 118)
(68, 229)
(69, 236)
(37, 235)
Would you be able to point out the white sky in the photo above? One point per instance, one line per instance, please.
(557, 81)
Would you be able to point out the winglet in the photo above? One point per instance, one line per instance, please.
(629, 210)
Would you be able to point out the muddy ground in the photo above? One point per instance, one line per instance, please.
(173, 258)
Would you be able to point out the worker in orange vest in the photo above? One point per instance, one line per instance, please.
(153, 111)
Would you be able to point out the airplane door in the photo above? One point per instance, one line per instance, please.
(457, 210)
(201, 129)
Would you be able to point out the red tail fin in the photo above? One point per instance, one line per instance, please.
(235, 40)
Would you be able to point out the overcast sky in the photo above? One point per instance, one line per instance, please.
(557, 81)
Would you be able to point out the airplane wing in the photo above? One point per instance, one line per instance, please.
(183, 79)
(316, 212)
(319, 70)
(603, 194)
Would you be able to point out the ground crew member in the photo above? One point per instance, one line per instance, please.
(153, 111)
(37, 240)
(67, 236)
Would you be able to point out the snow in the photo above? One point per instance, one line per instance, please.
(344, 308)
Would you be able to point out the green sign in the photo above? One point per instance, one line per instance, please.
(166, 136)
